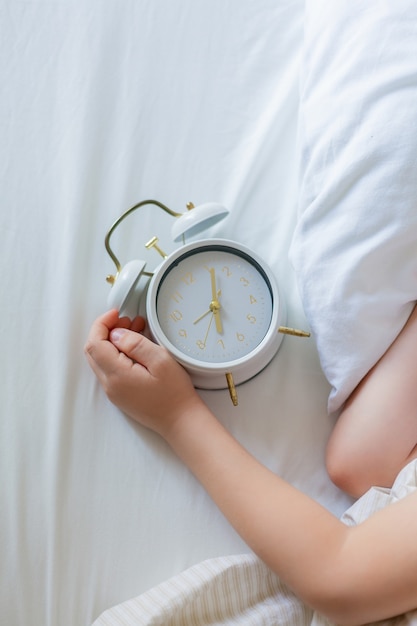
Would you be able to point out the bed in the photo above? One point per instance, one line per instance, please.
(296, 116)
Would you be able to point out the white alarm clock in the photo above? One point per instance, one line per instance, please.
(213, 303)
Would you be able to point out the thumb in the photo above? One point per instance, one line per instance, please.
(136, 347)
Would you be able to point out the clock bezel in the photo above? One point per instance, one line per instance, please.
(211, 375)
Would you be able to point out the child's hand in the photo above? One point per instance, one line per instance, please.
(138, 376)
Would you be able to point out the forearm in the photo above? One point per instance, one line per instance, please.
(295, 536)
(376, 434)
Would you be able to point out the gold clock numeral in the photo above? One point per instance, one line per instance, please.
(220, 342)
(176, 315)
(251, 318)
(244, 281)
(252, 299)
(177, 297)
(201, 344)
(188, 278)
(227, 271)
(182, 332)
(240, 337)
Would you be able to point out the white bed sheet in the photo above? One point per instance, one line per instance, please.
(105, 103)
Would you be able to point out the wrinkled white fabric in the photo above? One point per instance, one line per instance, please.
(354, 249)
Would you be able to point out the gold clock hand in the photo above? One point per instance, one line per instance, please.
(213, 284)
(212, 309)
(215, 304)
(201, 316)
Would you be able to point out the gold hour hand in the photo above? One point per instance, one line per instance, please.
(215, 304)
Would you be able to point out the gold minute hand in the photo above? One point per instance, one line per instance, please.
(215, 305)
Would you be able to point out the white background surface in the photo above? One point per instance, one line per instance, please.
(105, 103)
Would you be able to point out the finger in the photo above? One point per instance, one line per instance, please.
(98, 349)
(138, 324)
(101, 327)
(123, 322)
(137, 347)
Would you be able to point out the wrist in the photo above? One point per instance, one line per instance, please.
(189, 424)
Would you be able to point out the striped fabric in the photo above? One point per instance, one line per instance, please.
(240, 589)
(225, 590)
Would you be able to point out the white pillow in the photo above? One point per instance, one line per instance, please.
(355, 244)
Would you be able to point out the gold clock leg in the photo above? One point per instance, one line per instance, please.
(232, 388)
(293, 331)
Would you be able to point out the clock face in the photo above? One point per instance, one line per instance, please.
(214, 304)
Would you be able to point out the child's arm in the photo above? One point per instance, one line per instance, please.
(353, 575)
(376, 434)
